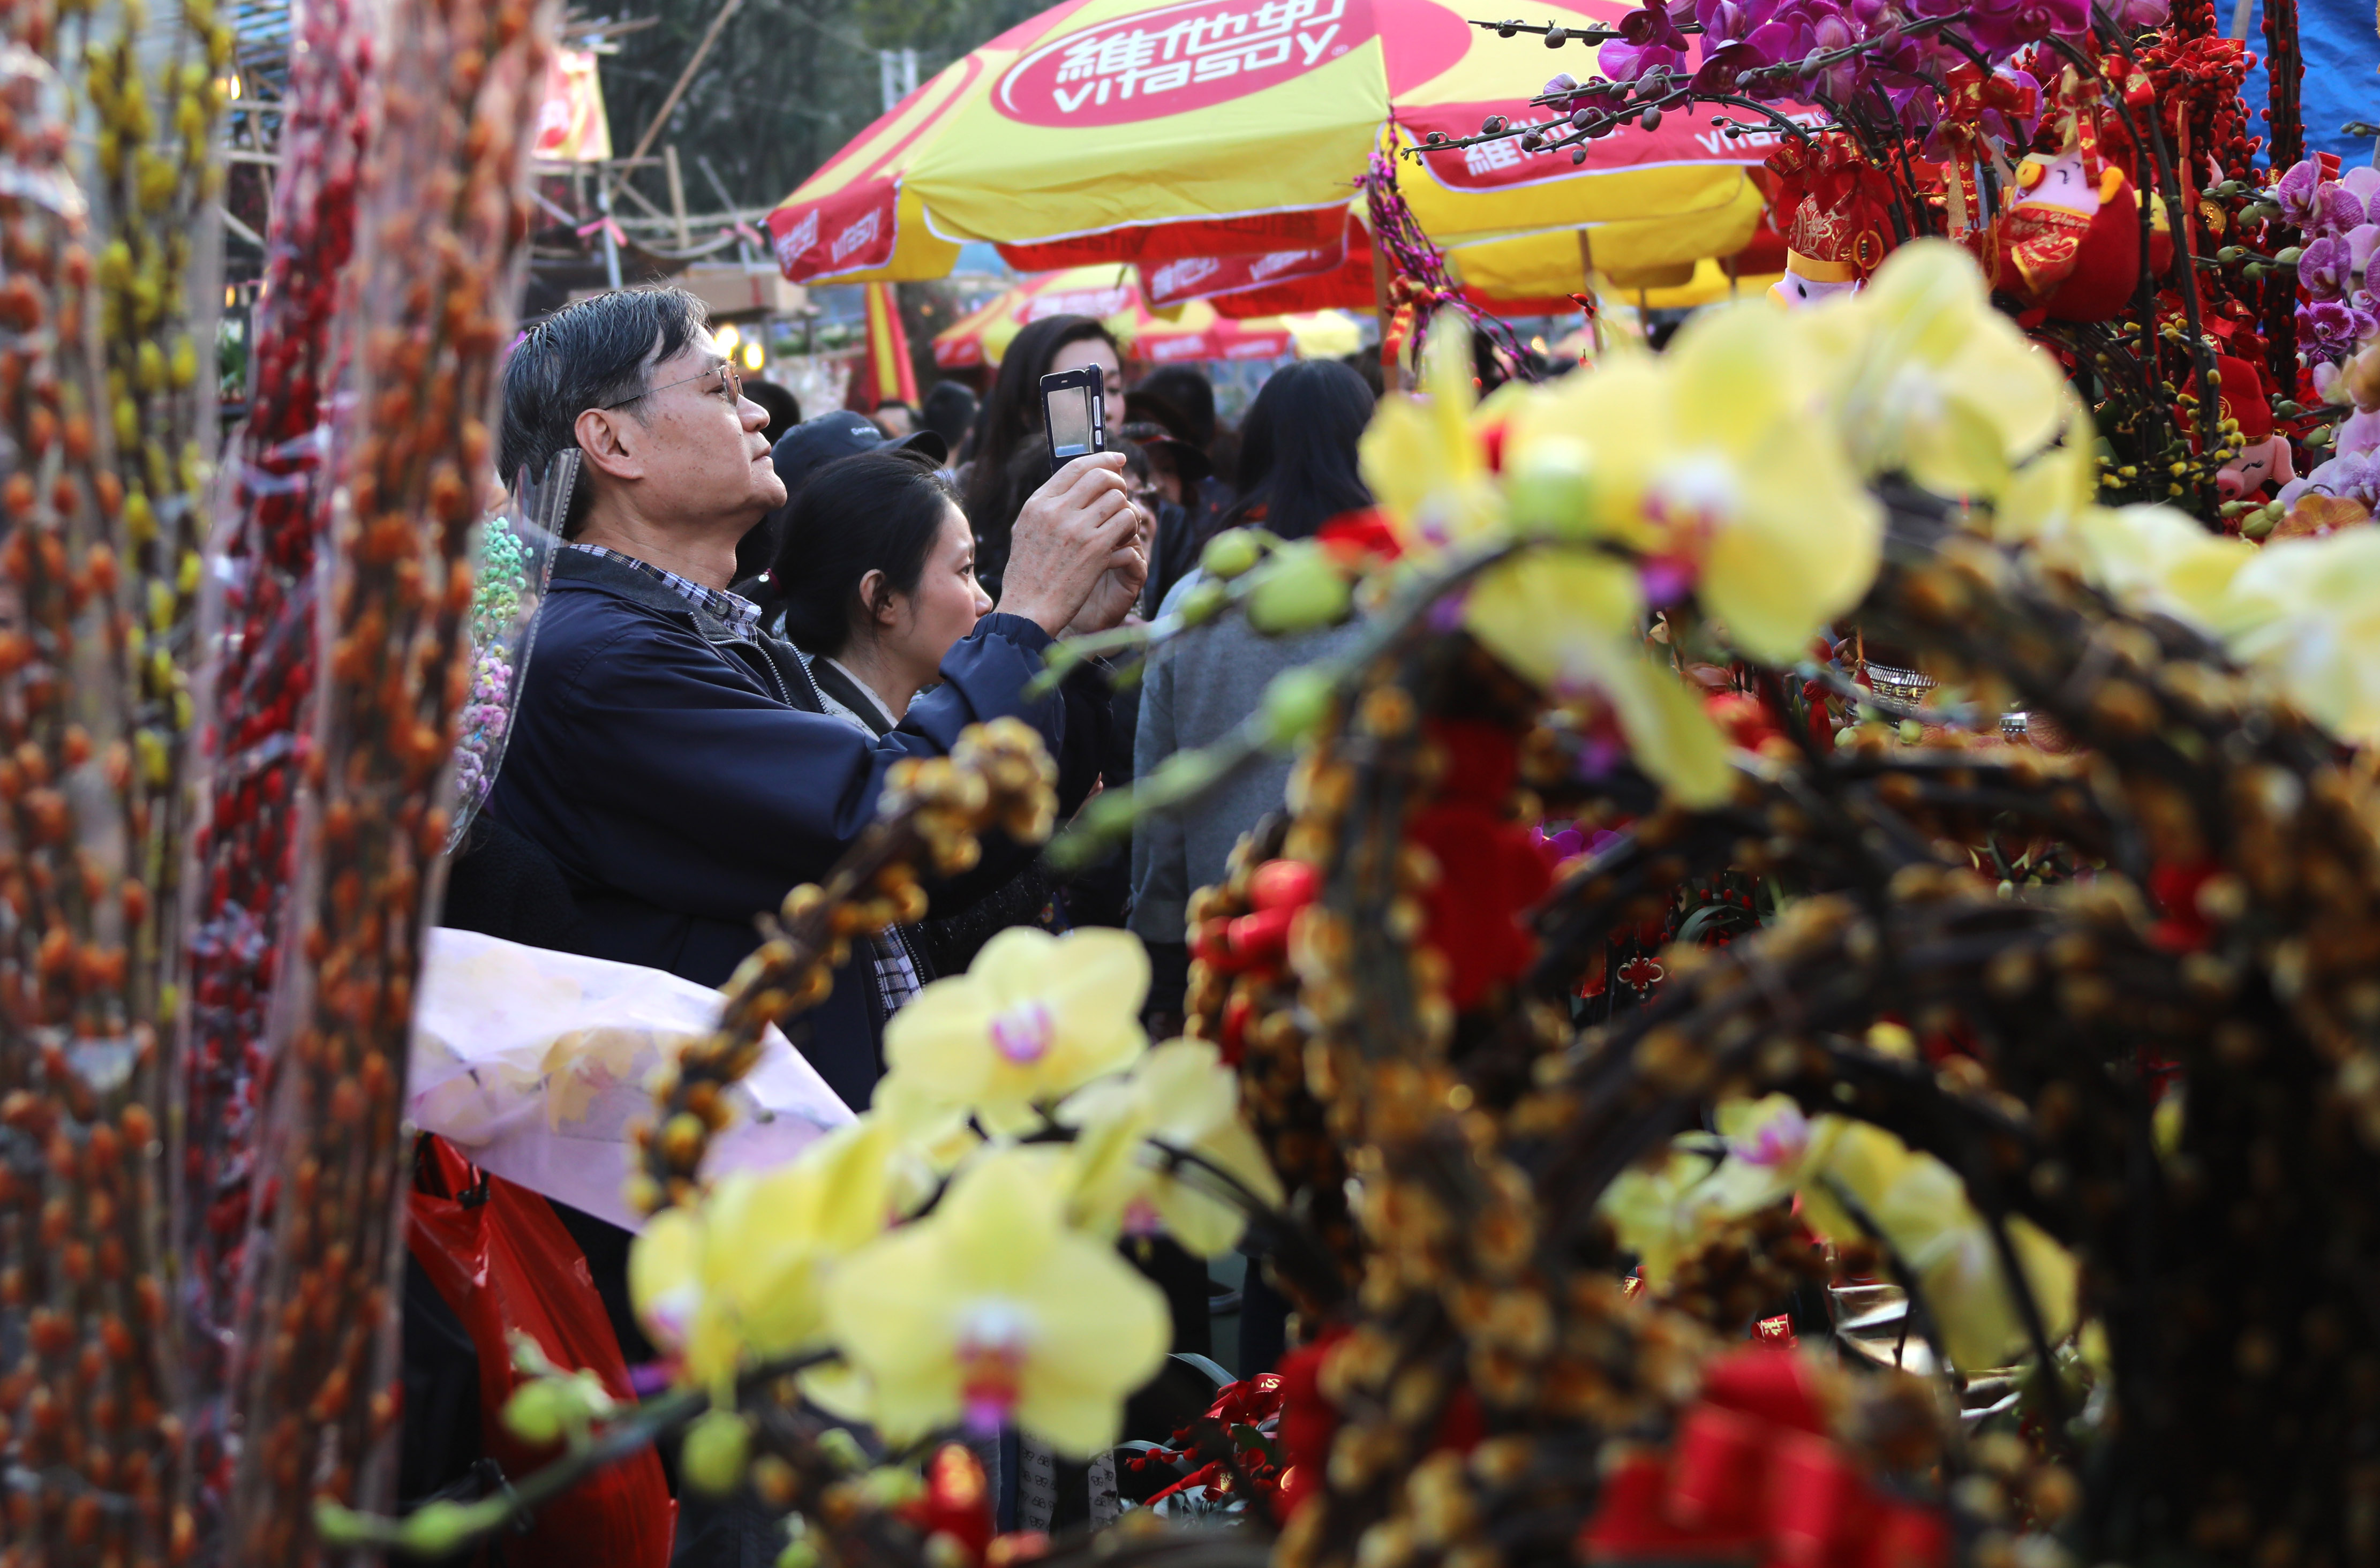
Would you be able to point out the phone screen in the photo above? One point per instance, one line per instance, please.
(1069, 412)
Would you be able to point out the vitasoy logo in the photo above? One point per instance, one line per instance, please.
(1177, 58)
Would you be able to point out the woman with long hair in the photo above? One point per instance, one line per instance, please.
(1297, 451)
(1009, 459)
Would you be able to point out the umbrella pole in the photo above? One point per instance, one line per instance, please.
(1390, 370)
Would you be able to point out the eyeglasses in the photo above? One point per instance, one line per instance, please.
(722, 377)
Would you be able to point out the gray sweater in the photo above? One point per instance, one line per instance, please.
(1199, 688)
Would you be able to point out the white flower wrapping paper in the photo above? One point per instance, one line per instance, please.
(534, 1064)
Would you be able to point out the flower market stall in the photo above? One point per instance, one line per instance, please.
(1810, 999)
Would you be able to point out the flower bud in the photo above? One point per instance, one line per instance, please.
(1300, 590)
(534, 1413)
(1295, 704)
(1204, 602)
(1231, 554)
(716, 1447)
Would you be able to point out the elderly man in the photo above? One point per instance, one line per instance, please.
(677, 765)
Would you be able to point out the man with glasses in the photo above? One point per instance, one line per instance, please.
(677, 764)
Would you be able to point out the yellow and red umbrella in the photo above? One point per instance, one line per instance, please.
(1111, 292)
(1521, 273)
(1127, 131)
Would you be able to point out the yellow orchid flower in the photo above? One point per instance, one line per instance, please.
(932, 1138)
(1662, 1212)
(2046, 499)
(1771, 1148)
(2306, 613)
(2156, 558)
(1422, 458)
(1181, 1095)
(1034, 1018)
(1711, 460)
(991, 1308)
(1569, 620)
(1933, 380)
(1921, 1209)
(740, 1276)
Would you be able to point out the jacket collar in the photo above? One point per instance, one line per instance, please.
(770, 661)
(581, 569)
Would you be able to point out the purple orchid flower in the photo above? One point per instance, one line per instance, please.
(2297, 193)
(1633, 62)
(2324, 267)
(2362, 182)
(1651, 24)
(2332, 327)
(2359, 434)
(2001, 27)
(2350, 474)
(2337, 210)
(1723, 21)
(2361, 241)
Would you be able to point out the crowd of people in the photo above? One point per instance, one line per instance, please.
(754, 616)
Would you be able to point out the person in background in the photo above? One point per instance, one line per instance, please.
(948, 411)
(1009, 458)
(1101, 893)
(1298, 470)
(800, 453)
(1189, 395)
(1184, 390)
(896, 419)
(784, 408)
(1165, 460)
(1182, 470)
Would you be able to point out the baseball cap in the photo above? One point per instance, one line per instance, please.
(802, 451)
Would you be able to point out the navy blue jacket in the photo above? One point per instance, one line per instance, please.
(685, 780)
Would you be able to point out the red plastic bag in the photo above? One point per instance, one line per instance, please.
(505, 1264)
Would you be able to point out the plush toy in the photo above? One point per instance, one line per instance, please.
(1837, 235)
(2069, 243)
(2265, 455)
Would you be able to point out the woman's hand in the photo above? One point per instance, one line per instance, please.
(1074, 535)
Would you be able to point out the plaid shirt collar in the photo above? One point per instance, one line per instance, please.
(738, 615)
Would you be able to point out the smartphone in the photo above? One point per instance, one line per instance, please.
(1075, 412)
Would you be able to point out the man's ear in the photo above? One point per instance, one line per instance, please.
(607, 436)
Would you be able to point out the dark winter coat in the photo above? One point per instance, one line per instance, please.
(683, 780)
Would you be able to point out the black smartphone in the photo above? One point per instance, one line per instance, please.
(1074, 413)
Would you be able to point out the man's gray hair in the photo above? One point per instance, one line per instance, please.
(596, 353)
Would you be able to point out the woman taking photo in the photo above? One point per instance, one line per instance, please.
(1010, 459)
(875, 582)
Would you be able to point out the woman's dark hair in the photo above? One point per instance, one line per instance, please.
(1008, 416)
(1297, 450)
(873, 512)
(1188, 393)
